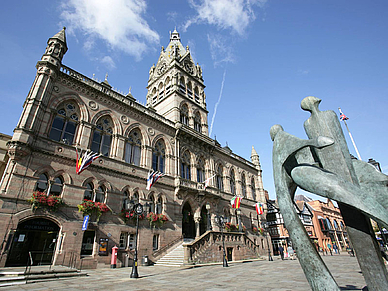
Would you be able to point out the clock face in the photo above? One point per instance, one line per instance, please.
(189, 67)
(162, 68)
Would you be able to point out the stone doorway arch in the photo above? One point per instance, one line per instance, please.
(37, 236)
(188, 224)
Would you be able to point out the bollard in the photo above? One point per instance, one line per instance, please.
(113, 259)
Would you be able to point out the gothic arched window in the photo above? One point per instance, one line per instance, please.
(182, 85)
(219, 175)
(196, 95)
(253, 189)
(154, 96)
(189, 91)
(185, 165)
(159, 206)
(88, 194)
(133, 148)
(56, 187)
(42, 183)
(197, 122)
(200, 171)
(168, 86)
(243, 186)
(65, 123)
(161, 91)
(159, 156)
(102, 136)
(100, 194)
(184, 118)
(232, 182)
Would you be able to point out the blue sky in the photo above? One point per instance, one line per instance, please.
(270, 55)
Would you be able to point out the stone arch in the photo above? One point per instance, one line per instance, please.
(66, 177)
(167, 143)
(117, 128)
(84, 112)
(144, 135)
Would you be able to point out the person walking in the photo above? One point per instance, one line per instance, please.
(281, 251)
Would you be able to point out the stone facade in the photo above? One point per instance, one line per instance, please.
(65, 111)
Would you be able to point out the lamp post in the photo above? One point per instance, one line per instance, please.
(239, 220)
(265, 227)
(221, 223)
(209, 223)
(138, 209)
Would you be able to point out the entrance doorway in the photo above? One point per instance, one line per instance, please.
(35, 236)
(188, 224)
(229, 254)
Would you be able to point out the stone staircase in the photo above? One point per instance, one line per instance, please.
(173, 258)
(17, 276)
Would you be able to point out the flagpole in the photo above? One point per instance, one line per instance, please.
(351, 137)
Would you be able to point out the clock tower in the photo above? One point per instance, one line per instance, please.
(176, 87)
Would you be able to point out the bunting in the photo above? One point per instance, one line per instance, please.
(235, 202)
(84, 160)
(259, 208)
(152, 178)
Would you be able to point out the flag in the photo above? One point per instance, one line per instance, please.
(207, 181)
(259, 208)
(152, 178)
(235, 202)
(85, 160)
(343, 117)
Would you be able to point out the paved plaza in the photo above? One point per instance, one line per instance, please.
(253, 275)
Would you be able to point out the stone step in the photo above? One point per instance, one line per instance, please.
(174, 258)
(9, 278)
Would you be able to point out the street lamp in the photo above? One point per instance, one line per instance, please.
(239, 220)
(138, 210)
(265, 227)
(220, 220)
(209, 224)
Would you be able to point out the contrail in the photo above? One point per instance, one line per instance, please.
(218, 102)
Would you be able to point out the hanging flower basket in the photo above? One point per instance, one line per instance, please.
(156, 220)
(41, 200)
(88, 207)
(130, 215)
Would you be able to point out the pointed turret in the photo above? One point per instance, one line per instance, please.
(255, 158)
(56, 48)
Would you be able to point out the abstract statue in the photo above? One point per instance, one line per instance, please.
(322, 165)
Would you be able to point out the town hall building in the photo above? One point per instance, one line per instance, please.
(42, 198)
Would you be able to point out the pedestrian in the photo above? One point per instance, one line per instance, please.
(329, 247)
(291, 252)
(281, 251)
(335, 248)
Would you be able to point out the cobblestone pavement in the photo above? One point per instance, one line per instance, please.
(253, 275)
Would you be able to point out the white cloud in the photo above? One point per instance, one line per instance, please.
(221, 49)
(108, 61)
(225, 14)
(120, 23)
